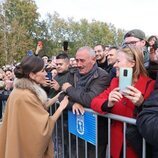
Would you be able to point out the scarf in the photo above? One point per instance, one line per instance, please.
(83, 79)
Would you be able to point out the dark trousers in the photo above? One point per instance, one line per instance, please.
(3, 97)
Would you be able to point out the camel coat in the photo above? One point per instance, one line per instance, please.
(27, 128)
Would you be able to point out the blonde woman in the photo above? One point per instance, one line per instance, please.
(126, 103)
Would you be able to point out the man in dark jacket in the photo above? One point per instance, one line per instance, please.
(147, 121)
(63, 74)
(111, 59)
(89, 81)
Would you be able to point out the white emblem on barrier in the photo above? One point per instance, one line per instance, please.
(80, 124)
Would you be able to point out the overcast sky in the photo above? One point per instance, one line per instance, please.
(124, 14)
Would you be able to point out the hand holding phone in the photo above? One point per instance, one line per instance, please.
(49, 75)
(125, 78)
(39, 47)
(40, 44)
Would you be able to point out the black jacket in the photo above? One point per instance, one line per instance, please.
(95, 85)
(147, 121)
(61, 79)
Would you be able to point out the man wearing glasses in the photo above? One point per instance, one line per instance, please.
(136, 38)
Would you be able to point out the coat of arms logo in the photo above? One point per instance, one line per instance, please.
(80, 124)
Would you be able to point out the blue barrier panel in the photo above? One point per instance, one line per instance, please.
(83, 126)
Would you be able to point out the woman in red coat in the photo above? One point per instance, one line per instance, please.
(124, 103)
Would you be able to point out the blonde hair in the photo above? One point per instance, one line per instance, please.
(135, 54)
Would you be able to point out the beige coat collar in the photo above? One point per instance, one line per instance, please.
(25, 83)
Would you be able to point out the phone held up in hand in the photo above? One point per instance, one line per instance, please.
(125, 78)
(49, 75)
(40, 44)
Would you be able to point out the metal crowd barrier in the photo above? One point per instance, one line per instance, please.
(59, 147)
(64, 141)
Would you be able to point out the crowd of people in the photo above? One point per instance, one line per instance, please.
(90, 79)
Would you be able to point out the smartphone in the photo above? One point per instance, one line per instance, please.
(125, 78)
(49, 75)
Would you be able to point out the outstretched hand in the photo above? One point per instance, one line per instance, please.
(62, 106)
(64, 103)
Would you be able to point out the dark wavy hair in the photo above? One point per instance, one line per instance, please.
(28, 64)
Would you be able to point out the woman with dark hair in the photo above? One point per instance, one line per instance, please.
(27, 128)
(151, 43)
(153, 66)
(151, 40)
(127, 102)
